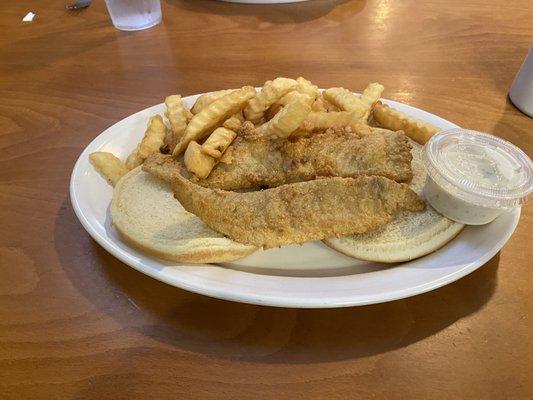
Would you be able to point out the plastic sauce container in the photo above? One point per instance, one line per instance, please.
(474, 177)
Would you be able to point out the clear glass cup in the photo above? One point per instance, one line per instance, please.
(134, 15)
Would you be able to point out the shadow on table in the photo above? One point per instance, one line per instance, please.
(217, 328)
(337, 10)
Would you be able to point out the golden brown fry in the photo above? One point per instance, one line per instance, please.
(240, 116)
(217, 143)
(153, 137)
(234, 122)
(344, 99)
(348, 101)
(396, 120)
(321, 104)
(370, 96)
(318, 105)
(214, 114)
(269, 94)
(109, 166)
(287, 120)
(134, 160)
(176, 113)
(330, 107)
(204, 100)
(178, 116)
(197, 162)
(317, 121)
(153, 140)
(307, 88)
(292, 96)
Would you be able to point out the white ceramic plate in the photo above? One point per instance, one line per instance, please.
(311, 275)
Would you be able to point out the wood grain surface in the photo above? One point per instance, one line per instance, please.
(75, 323)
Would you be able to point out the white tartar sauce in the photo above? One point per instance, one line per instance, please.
(474, 177)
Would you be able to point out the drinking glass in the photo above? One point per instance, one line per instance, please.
(134, 15)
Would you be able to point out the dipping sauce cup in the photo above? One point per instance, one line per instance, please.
(474, 177)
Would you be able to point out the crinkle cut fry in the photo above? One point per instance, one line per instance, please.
(322, 120)
(154, 138)
(207, 98)
(287, 119)
(395, 120)
(213, 115)
(359, 105)
(109, 166)
(268, 95)
(345, 100)
(178, 116)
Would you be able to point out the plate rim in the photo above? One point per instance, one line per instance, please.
(263, 299)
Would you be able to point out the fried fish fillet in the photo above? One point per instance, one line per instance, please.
(266, 163)
(270, 163)
(298, 212)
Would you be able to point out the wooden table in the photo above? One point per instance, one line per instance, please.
(75, 323)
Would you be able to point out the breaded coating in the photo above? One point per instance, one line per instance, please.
(261, 162)
(298, 212)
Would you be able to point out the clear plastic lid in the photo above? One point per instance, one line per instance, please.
(479, 168)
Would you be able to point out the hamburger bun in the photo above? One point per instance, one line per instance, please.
(149, 218)
(410, 235)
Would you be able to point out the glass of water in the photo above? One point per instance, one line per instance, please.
(134, 15)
